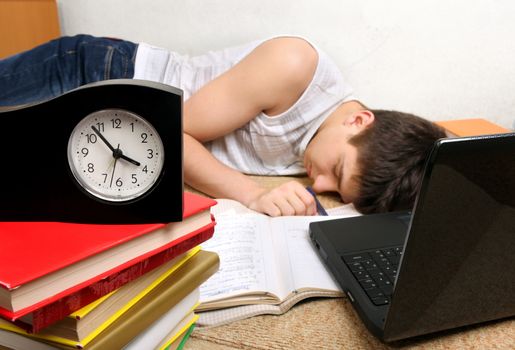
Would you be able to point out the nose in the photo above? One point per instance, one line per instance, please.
(323, 183)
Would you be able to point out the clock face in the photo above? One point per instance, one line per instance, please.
(115, 155)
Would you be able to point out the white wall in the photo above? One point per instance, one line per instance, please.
(440, 59)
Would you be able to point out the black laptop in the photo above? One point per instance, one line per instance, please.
(448, 263)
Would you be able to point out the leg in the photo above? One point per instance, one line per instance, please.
(63, 64)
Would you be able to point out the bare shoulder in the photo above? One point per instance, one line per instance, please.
(291, 41)
(294, 48)
(292, 59)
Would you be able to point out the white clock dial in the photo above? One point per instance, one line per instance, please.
(115, 155)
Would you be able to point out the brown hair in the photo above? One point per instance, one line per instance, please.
(392, 154)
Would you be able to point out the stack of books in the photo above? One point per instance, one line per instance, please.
(69, 286)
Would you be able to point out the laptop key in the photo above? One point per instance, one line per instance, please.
(376, 273)
(362, 275)
(375, 293)
(383, 281)
(349, 259)
(383, 262)
(388, 252)
(377, 254)
(380, 301)
(369, 265)
(356, 266)
(388, 268)
(368, 284)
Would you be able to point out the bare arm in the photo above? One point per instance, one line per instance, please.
(269, 79)
(207, 174)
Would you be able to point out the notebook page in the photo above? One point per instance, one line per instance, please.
(261, 253)
(247, 263)
(300, 265)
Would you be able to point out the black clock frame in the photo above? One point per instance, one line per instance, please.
(37, 183)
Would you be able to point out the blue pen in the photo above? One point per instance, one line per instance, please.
(320, 208)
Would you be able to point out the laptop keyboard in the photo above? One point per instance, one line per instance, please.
(375, 271)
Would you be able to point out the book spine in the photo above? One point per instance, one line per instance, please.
(57, 310)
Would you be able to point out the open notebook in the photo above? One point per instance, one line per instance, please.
(267, 264)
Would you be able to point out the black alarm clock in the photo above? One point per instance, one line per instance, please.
(107, 152)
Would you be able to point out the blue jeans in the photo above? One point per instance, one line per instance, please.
(61, 65)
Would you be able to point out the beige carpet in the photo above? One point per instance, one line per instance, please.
(333, 324)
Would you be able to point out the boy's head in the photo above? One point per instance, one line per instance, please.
(391, 155)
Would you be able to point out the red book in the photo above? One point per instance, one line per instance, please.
(45, 316)
(49, 269)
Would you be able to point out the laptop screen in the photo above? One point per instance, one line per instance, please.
(457, 267)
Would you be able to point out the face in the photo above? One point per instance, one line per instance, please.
(332, 162)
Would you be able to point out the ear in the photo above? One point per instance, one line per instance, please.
(360, 119)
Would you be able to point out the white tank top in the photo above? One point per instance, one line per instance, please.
(266, 145)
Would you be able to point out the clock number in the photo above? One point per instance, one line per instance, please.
(119, 182)
(105, 177)
(150, 153)
(92, 138)
(91, 168)
(132, 126)
(144, 137)
(116, 123)
(134, 179)
(84, 151)
(145, 170)
(100, 127)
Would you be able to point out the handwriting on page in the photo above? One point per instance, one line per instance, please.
(240, 248)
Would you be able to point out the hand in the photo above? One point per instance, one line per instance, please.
(117, 153)
(290, 198)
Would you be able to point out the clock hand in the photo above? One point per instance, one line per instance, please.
(112, 174)
(103, 138)
(130, 160)
(117, 153)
